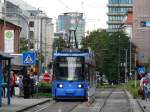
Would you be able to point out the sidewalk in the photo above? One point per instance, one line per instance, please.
(144, 104)
(20, 103)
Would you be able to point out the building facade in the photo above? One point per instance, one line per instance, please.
(141, 29)
(71, 21)
(2, 8)
(9, 37)
(128, 24)
(41, 34)
(116, 12)
(18, 16)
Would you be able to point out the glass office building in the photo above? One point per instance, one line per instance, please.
(116, 12)
(71, 21)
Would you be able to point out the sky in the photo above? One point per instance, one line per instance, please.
(94, 10)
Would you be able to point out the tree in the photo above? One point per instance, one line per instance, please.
(97, 40)
(109, 51)
(23, 45)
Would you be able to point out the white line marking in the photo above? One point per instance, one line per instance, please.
(41, 109)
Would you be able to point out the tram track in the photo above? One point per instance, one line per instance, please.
(73, 107)
(104, 107)
(47, 106)
(105, 101)
(38, 107)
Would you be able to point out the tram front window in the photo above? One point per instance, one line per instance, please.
(69, 68)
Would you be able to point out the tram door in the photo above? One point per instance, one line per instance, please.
(90, 77)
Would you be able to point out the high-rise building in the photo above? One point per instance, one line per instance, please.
(141, 29)
(116, 12)
(72, 21)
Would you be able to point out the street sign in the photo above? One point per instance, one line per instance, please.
(47, 78)
(29, 58)
(148, 23)
(141, 70)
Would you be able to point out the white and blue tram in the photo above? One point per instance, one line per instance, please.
(74, 74)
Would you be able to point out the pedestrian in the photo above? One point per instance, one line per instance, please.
(144, 86)
(20, 85)
(32, 83)
(26, 84)
(3, 87)
(12, 83)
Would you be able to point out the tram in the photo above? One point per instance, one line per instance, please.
(73, 74)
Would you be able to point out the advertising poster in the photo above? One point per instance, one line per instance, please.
(9, 41)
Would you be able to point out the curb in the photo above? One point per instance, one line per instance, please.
(136, 107)
(142, 108)
(40, 103)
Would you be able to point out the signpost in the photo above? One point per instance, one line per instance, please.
(29, 58)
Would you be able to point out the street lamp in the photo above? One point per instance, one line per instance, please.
(129, 33)
(128, 30)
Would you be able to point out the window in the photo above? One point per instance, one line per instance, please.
(31, 34)
(120, 1)
(145, 23)
(31, 24)
(2, 1)
(118, 10)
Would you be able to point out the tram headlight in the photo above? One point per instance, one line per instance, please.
(60, 85)
(80, 86)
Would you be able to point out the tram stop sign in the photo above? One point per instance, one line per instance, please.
(29, 58)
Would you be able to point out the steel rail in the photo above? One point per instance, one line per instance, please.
(105, 101)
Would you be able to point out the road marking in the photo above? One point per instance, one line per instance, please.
(41, 109)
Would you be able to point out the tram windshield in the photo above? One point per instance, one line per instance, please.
(69, 68)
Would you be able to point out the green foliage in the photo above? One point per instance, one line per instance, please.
(132, 89)
(45, 85)
(109, 51)
(45, 95)
(106, 86)
(23, 45)
(44, 88)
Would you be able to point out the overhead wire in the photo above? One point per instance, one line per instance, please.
(60, 1)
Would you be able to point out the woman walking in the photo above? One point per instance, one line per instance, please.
(12, 83)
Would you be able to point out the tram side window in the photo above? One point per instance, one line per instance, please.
(87, 72)
(92, 75)
(55, 71)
